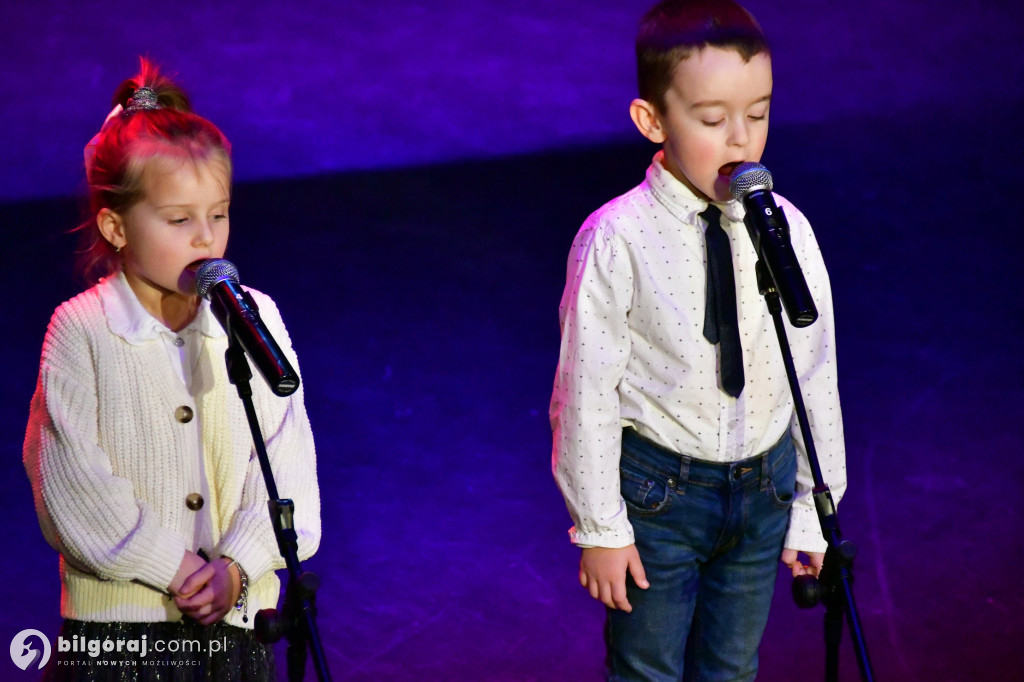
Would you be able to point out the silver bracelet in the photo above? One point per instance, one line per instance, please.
(243, 596)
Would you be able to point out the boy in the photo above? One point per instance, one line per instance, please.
(677, 455)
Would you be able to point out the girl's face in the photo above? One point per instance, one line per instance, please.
(181, 220)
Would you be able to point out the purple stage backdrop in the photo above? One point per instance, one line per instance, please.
(315, 87)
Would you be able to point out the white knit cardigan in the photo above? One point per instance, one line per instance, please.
(111, 466)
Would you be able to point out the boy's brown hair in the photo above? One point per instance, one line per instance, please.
(673, 29)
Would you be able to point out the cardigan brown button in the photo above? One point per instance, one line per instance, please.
(183, 414)
(194, 501)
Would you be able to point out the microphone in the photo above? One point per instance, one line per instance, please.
(237, 312)
(751, 184)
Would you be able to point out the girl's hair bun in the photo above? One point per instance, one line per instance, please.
(143, 98)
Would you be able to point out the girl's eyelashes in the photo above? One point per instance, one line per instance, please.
(181, 220)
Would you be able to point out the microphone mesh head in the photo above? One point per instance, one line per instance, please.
(212, 271)
(747, 177)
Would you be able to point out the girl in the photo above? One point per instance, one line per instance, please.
(140, 457)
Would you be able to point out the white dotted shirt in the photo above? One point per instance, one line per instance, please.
(633, 353)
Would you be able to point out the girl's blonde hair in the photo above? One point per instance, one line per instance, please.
(156, 121)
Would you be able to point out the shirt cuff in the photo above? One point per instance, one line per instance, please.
(804, 534)
(611, 539)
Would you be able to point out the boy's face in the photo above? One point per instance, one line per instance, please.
(716, 116)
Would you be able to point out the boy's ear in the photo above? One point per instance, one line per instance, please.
(645, 117)
(111, 226)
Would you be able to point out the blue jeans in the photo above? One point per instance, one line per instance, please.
(709, 536)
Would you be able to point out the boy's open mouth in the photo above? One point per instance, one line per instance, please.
(728, 168)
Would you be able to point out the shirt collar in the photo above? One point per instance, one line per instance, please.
(128, 319)
(679, 199)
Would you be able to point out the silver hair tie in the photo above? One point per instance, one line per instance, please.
(143, 98)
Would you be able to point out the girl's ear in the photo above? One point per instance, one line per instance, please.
(647, 121)
(111, 226)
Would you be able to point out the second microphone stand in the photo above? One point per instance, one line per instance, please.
(834, 587)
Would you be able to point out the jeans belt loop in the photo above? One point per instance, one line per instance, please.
(769, 458)
(766, 469)
(684, 473)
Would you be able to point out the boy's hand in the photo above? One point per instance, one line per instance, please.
(603, 573)
(209, 594)
(790, 558)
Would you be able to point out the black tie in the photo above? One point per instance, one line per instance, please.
(720, 326)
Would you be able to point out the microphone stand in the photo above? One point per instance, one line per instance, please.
(299, 621)
(834, 587)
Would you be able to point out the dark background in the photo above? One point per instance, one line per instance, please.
(409, 177)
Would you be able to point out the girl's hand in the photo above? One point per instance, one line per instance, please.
(210, 593)
(190, 563)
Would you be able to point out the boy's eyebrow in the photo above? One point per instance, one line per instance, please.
(721, 103)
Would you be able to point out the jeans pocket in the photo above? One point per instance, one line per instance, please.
(782, 498)
(783, 483)
(646, 493)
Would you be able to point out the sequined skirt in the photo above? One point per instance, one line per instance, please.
(160, 652)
